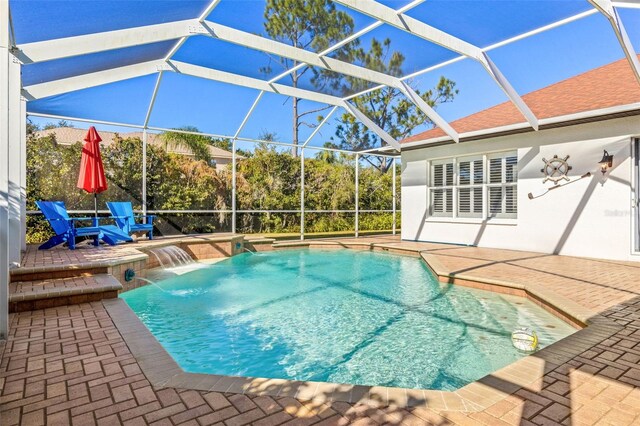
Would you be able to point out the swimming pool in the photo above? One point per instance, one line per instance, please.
(339, 316)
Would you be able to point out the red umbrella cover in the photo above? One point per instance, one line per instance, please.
(92, 178)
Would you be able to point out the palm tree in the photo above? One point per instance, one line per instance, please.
(198, 145)
(328, 156)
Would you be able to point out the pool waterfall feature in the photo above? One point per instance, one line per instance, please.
(171, 256)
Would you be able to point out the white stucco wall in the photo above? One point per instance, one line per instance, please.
(592, 217)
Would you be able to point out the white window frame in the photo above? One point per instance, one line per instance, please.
(455, 215)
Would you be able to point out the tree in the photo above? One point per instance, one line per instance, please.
(222, 143)
(197, 144)
(61, 123)
(174, 182)
(387, 107)
(328, 156)
(267, 137)
(311, 25)
(267, 180)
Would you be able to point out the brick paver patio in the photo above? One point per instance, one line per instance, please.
(70, 365)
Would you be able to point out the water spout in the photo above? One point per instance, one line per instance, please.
(152, 283)
(171, 256)
(249, 251)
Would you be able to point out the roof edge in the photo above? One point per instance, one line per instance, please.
(523, 127)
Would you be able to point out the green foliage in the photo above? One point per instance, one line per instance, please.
(61, 123)
(196, 144)
(387, 107)
(266, 180)
(174, 182)
(312, 25)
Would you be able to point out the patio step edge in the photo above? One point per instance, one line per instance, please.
(48, 293)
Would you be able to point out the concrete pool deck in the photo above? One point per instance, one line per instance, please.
(92, 363)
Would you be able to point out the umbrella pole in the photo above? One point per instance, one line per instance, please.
(96, 239)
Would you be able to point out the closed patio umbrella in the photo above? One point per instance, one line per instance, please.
(92, 178)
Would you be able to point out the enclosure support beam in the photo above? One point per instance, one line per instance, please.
(253, 83)
(317, 129)
(429, 111)
(418, 28)
(201, 18)
(152, 102)
(494, 46)
(144, 172)
(4, 169)
(65, 85)
(371, 125)
(346, 41)
(23, 172)
(98, 42)
(248, 115)
(233, 186)
(394, 194)
(631, 4)
(302, 193)
(144, 143)
(234, 159)
(16, 122)
(273, 47)
(357, 197)
(213, 135)
(609, 11)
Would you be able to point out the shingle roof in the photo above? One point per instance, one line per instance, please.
(604, 87)
(71, 135)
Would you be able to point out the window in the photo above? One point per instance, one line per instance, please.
(502, 185)
(441, 191)
(474, 187)
(470, 180)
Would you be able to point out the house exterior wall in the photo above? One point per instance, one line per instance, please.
(593, 217)
(221, 163)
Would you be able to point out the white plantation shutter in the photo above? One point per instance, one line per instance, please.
(458, 187)
(511, 201)
(495, 201)
(441, 189)
(470, 180)
(503, 190)
(511, 169)
(495, 170)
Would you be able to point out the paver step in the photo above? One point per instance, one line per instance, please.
(51, 292)
(56, 272)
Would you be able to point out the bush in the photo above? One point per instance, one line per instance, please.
(266, 180)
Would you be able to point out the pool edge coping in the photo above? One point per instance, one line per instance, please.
(163, 371)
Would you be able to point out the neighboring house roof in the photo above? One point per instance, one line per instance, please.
(71, 135)
(608, 86)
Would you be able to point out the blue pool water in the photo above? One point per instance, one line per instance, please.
(339, 316)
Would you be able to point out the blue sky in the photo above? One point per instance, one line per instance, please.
(219, 108)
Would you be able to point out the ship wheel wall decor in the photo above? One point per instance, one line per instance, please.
(555, 169)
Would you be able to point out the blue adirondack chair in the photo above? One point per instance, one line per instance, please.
(122, 212)
(66, 231)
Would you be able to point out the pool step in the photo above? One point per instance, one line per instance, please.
(256, 244)
(52, 292)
